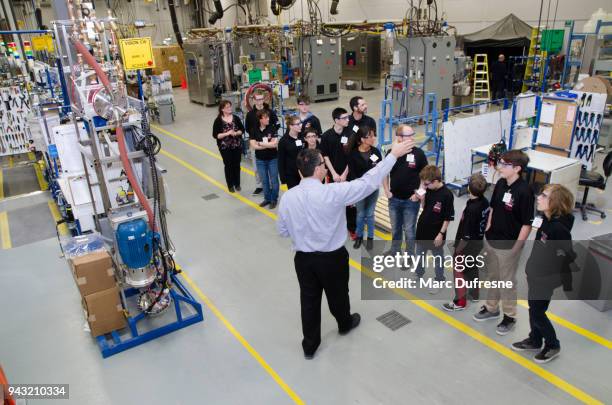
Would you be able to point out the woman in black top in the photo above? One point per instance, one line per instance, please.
(228, 130)
(548, 268)
(264, 141)
(288, 148)
(362, 156)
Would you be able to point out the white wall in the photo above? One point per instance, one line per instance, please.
(467, 15)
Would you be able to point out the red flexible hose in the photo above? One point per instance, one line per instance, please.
(123, 153)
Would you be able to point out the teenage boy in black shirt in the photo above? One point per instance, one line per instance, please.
(307, 118)
(507, 229)
(332, 149)
(438, 211)
(400, 187)
(468, 241)
(358, 116)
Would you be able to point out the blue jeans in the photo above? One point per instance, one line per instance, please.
(365, 214)
(438, 258)
(268, 173)
(403, 215)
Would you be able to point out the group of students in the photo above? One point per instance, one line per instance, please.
(497, 230)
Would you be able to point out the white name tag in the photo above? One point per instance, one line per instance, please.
(410, 158)
(298, 143)
(355, 128)
(265, 140)
(507, 197)
(485, 169)
(343, 140)
(374, 158)
(421, 192)
(537, 222)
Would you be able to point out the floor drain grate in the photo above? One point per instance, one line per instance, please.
(209, 197)
(393, 320)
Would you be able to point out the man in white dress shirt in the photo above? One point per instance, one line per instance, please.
(312, 214)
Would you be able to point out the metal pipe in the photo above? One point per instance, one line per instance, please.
(227, 71)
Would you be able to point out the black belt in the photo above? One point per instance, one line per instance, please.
(333, 252)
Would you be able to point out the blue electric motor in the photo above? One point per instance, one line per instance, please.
(135, 243)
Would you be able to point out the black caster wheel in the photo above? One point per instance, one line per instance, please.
(603, 216)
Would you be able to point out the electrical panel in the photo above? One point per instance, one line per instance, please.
(321, 68)
(429, 64)
(361, 61)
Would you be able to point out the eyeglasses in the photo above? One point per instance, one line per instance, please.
(504, 164)
(310, 136)
(296, 124)
(344, 117)
(426, 183)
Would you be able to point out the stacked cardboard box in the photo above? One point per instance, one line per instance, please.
(169, 58)
(95, 279)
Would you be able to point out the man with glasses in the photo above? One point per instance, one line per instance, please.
(400, 188)
(508, 226)
(308, 119)
(332, 148)
(252, 123)
(312, 215)
(358, 116)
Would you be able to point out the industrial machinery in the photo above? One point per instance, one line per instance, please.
(119, 177)
(319, 60)
(429, 65)
(361, 61)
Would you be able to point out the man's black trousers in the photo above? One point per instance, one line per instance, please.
(318, 272)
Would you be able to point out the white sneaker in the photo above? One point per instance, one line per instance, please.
(434, 290)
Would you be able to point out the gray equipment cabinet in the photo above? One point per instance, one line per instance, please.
(361, 61)
(320, 67)
(429, 64)
(199, 64)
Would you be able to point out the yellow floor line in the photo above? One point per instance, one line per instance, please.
(11, 161)
(39, 176)
(382, 235)
(1, 184)
(63, 228)
(438, 313)
(574, 328)
(277, 378)
(5, 233)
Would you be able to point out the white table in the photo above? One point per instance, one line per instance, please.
(558, 169)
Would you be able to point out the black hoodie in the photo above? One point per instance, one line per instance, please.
(552, 251)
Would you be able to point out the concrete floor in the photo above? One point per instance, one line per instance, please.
(248, 348)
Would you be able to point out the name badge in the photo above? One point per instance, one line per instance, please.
(343, 140)
(265, 140)
(298, 142)
(410, 158)
(537, 222)
(355, 128)
(374, 158)
(507, 197)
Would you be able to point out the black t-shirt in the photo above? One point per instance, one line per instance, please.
(311, 122)
(472, 225)
(259, 135)
(405, 174)
(252, 123)
(437, 209)
(333, 148)
(354, 125)
(510, 215)
(552, 250)
(360, 162)
(288, 149)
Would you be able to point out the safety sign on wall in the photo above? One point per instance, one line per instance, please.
(137, 53)
(42, 43)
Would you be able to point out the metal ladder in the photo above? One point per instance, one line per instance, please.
(481, 79)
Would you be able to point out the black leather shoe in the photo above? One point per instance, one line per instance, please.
(357, 243)
(231, 189)
(369, 244)
(238, 188)
(356, 321)
(273, 205)
(264, 203)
